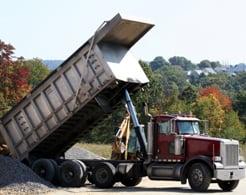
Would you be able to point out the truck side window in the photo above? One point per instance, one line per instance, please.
(164, 127)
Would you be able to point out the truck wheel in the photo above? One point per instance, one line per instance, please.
(131, 181)
(56, 167)
(71, 174)
(83, 166)
(44, 168)
(228, 185)
(199, 177)
(103, 175)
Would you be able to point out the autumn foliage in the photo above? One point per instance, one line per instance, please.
(13, 78)
(224, 100)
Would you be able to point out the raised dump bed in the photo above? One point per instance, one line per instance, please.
(78, 94)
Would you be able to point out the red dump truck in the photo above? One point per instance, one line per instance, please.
(87, 87)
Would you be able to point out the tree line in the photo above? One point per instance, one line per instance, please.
(219, 98)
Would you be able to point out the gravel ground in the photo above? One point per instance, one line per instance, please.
(16, 178)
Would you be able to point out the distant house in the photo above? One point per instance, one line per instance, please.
(198, 72)
(208, 71)
(239, 68)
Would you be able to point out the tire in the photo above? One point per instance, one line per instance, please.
(56, 167)
(103, 175)
(83, 166)
(227, 186)
(199, 177)
(131, 181)
(71, 174)
(44, 168)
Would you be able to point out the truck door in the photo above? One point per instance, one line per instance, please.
(165, 140)
(165, 147)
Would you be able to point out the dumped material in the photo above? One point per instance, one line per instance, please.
(16, 178)
(77, 152)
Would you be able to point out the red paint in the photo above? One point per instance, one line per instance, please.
(194, 145)
(201, 145)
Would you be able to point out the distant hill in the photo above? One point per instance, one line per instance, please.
(52, 64)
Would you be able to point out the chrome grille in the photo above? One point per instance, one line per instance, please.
(231, 158)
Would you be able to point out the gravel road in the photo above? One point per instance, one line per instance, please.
(148, 187)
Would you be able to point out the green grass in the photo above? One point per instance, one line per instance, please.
(103, 150)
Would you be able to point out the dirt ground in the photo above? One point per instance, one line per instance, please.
(148, 187)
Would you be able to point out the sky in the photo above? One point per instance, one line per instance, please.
(195, 29)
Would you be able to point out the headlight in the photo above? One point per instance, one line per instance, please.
(217, 158)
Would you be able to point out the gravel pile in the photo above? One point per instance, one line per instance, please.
(16, 178)
(77, 152)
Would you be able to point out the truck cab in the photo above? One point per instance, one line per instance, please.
(179, 151)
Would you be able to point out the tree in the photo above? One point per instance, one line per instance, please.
(204, 64)
(215, 64)
(232, 127)
(189, 94)
(158, 62)
(38, 71)
(209, 108)
(170, 75)
(224, 100)
(13, 77)
(240, 105)
(183, 62)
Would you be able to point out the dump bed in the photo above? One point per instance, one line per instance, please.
(76, 96)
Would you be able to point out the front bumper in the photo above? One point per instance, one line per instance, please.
(227, 174)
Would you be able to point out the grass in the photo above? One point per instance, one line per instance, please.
(103, 150)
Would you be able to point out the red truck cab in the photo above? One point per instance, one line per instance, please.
(180, 152)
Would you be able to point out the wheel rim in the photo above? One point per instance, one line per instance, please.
(102, 175)
(41, 172)
(68, 174)
(197, 177)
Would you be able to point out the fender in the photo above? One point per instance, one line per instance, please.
(203, 159)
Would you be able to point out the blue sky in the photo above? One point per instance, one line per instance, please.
(196, 29)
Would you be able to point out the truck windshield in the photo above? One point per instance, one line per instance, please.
(188, 127)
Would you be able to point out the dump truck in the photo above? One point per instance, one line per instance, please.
(82, 92)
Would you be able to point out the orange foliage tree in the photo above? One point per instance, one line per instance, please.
(224, 100)
(13, 78)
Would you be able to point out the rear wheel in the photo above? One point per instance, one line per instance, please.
(131, 181)
(83, 166)
(103, 175)
(56, 167)
(71, 174)
(199, 177)
(228, 185)
(44, 168)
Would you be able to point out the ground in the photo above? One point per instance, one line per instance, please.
(148, 187)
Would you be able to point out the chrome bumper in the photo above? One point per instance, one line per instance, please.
(229, 173)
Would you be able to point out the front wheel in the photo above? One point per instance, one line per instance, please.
(199, 177)
(228, 185)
